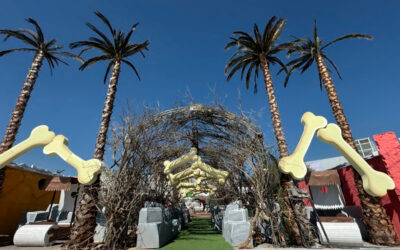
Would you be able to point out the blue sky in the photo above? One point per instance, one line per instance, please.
(186, 55)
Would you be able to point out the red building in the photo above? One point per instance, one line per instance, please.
(387, 160)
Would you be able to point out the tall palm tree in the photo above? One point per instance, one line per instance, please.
(259, 53)
(308, 51)
(115, 51)
(43, 50)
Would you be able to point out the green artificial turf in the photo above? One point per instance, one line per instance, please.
(199, 235)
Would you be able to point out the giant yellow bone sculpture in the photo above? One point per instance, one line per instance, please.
(375, 183)
(194, 191)
(294, 164)
(42, 136)
(199, 170)
(181, 161)
(174, 179)
(212, 172)
(87, 170)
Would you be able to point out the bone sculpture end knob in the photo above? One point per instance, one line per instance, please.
(381, 183)
(294, 163)
(39, 136)
(375, 183)
(293, 166)
(88, 171)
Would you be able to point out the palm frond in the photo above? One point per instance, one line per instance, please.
(31, 33)
(302, 59)
(248, 75)
(333, 65)
(246, 58)
(38, 29)
(128, 36)
(94, 60)
(244, 66)
(106, 41)
(267, 29)
(257, 34)
(50, 45)
(132, 67)
(244, 36)
(105, 20)
(232, 43)
(91, 45)
(234, 68)
(5, 52)
(132, 49)
(18, 35)
(110, 64)
(277, 31)
(236, 60)
(315, 34)
(255, 89)
(275, 59)
(68, 54)
(349, 36)
(288, 74)
(307, 65)
(56, 59)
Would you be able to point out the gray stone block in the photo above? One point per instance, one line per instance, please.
(235, 224)
(151, 214)
(156, 227)
(237, 232)
(237, 215)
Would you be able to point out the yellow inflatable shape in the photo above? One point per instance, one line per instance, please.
(184, 159)
(194, 191)
(294, 163)
(39, 136)
(210, 170)
(197, 173)
(87, 170)
(54, 145)
(375, 183)
(175, 178)
(186, 185)
(199, 170)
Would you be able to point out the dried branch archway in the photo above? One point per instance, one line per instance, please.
(223, 140)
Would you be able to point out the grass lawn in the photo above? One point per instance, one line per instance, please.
(199, 236)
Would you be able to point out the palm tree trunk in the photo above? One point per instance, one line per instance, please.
(19, 109)
(286, 183)
(273, 108)
(85, 221)
(377, 222)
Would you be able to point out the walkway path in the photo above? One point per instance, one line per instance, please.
(199, 236)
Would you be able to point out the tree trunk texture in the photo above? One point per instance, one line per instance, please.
(286, 183)
(85, 221)
(19, 109)
(273, 108)
(377, 222)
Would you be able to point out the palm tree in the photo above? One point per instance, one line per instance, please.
(259, 53)
(307, 51)
(44, 50)
(115, 51)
